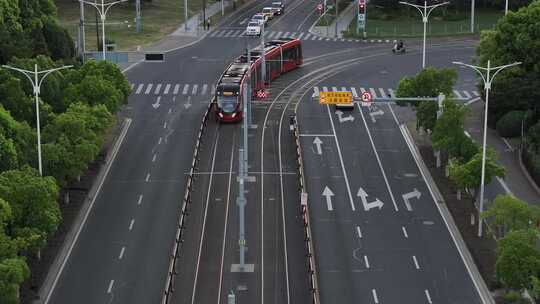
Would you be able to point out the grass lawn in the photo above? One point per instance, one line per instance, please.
(159, 18)
(412, 26)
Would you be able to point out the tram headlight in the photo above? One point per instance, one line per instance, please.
(233, 115)
(220, 115)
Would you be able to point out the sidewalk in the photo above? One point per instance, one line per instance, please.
(515, 180)
(341, 22)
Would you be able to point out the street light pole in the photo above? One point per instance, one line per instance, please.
(36, 84)
(102, 9)
(425, 15)
(488, 79)
(506, 8)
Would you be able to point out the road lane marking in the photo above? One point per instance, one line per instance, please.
(194, 91)
(226, 219)
(341, 159)
(159, 141)
(139, 201)
(354, 93)
(148, 89)
(165, 125)
(110, 286)
(378, 158)
(375, 298)
(158, 88)
(154, 158)
(315, 92)
(366, 261)
(204, 220)
(428, 296)
(139, 88)
(404, 232)
(327, 193)
(176, 88)
(383, 93)
(458, 96)
(167, 88)
(204, 88)
(415, 262)
(185, 90)
(373, 93)
(147, 176)
(122, 252)
(131, 224)
(467, 95)
(317, 135)
(358, 232)
(507, 144)
(170, 111)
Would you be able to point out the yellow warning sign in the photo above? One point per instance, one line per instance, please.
(335, 97)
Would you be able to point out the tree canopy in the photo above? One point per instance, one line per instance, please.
(518, 259)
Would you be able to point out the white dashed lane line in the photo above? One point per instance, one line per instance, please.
(404, 232)
(111, 283)
(139, 201)
(131, 224)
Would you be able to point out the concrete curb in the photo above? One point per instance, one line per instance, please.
(526, 173)
(61, 259)
(481, 287)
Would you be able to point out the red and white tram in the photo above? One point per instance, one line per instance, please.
(281, 55)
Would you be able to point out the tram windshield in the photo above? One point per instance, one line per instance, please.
(227, 103)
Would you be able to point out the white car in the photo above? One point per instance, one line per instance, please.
(253, 29)
(268, 12)
(260, 18)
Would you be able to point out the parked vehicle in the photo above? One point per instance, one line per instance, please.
(253, 29)
(278, 7)
(260, 18)
(268, 12)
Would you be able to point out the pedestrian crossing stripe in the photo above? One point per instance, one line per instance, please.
(383, 92)
(235, 33)
(209, 89)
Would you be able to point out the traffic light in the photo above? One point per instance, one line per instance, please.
(361, 7)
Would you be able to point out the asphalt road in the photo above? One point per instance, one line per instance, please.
(123, 252)
(402, 252)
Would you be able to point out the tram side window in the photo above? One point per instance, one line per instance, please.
(289, 55)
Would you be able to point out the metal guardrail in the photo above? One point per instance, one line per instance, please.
(184, 212)
(304, 209)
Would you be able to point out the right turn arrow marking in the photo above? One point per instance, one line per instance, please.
(408, 196)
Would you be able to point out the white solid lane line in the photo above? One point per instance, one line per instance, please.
(131, 224)
(358, 232)
(341, 159)
(204, 221)
(139, 201)
(378, 158)
(226, 221)
(366, 261)
(415, 262)
(122, 252)
(428, 296)
(111, 283)
(404, 232)
(375, 298)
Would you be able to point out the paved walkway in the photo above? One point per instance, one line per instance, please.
(516, 180)
(341, 22)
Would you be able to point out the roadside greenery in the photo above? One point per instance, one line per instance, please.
(77, 108)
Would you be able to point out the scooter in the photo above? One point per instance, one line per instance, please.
(397, 50)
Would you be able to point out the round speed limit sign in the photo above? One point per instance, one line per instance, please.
(367, 99)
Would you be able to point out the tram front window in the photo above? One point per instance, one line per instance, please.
(227, 103)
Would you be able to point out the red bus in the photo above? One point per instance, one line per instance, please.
(282, 55)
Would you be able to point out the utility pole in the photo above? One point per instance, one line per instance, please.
(337, 19)
(488, 79)
(472, 16)
(36, 81)
(82, 46)
(138, 15)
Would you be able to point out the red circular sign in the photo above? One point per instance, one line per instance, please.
(366, 97)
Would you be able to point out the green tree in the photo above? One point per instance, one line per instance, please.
(448, 133)
(426, 115)
(23, 137)
(518, 259)
(535, 287)
(8, 154)
(467, 176)
(511, 213)
(59, 43)
(514, 38)
(33, 200)
(428, 83)
(14, 99)
(13, 272)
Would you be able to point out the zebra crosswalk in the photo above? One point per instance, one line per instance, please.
(237, 33)
(463, 95)
(172, 89)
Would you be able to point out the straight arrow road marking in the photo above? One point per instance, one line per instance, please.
(327, 193)
(407, 196)
(367, 206)
(315, 92)
(379, 112)
(317, 141)
(344, 119)
(156, 104)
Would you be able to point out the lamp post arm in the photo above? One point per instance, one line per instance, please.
(418, 7)
(476, 68)
(25, 72)
(47, 72)
(432, 7)
(502, 67)
(95, 5)
(109, 5)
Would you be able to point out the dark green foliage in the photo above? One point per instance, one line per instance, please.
(59, 43)
(426, 114)
(428, 83)
(510, 124)
(515, 297)
(518, 259)
(13, 272)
